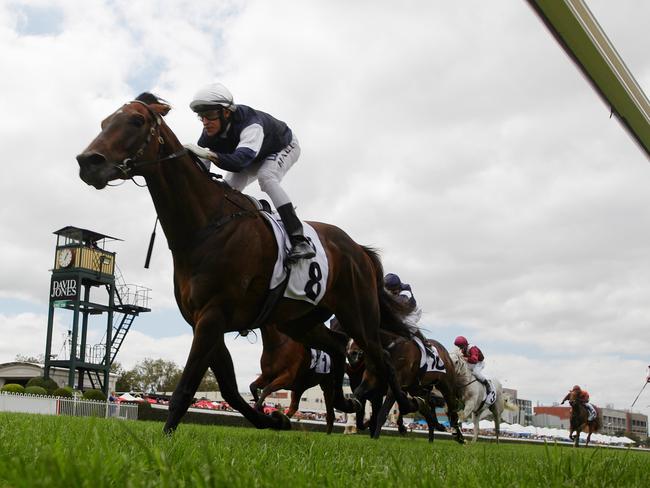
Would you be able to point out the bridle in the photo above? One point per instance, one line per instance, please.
(132, 162)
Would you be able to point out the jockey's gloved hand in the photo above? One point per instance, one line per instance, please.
(201, 152)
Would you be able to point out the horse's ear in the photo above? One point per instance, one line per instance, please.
(160, 108)
(157, 104)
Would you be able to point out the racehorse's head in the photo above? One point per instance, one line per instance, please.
(354, 354)
(128, 137)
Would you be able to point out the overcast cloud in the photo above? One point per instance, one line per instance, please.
(456, 137)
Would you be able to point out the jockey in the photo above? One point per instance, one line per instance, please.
(252, 145)
(474, 358)
(404, 294)
(583, 397)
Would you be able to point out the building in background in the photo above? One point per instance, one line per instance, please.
(524, 413)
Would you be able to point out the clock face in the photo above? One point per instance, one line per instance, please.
(65, 257)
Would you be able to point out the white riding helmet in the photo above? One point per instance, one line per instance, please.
(212, 95)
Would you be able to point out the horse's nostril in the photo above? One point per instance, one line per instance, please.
(86, 159)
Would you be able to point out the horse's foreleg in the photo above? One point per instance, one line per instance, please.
(295, 402)
(256, 386)
(475, 421)
(279, 383)
(205, 335)
(383, 414)
(381, 366)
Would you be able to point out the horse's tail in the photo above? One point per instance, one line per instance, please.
(510, 406)
(392, 311)
(598, 421)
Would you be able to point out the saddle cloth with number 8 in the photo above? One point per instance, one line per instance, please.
(308, 278)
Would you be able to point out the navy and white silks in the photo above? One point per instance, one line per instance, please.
(255, 146)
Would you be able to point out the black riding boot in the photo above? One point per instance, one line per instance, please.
(300, 246)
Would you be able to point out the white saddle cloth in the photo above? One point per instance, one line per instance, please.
(491, 396)
(320, 361)
(308, 278)
(427, 360)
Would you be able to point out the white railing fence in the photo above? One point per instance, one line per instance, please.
(75, 407)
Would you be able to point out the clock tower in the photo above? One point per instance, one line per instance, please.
(84, 276)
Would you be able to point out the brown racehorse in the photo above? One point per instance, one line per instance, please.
(580, 420)
(285, 365)
(224, 253)
(405, 355)
(355, 370)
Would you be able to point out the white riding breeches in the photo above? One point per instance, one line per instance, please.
(269, 173)
(591, 410)
(477, 369)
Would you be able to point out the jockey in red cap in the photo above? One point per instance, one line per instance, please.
(474, 358)
(583, 397)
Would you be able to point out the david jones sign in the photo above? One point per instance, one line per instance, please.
(64, 288)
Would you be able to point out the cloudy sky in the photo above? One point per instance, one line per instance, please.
(456, 137)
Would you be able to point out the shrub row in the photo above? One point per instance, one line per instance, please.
(43, 387)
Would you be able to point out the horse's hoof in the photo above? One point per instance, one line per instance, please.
(281, 421)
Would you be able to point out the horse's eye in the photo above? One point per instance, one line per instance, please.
(137, 120)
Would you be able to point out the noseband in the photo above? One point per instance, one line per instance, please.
(131, 163)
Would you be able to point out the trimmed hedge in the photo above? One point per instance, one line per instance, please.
(36, 390)
(48, 384)
(94, 395)
(13, 388)
(63, 392)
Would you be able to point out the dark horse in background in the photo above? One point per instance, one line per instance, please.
(223, 254)
(405, 356)
(286, 365)
(579, 420)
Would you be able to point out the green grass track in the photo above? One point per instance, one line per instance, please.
(40, 450)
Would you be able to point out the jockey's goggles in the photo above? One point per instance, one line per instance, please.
(213, 114)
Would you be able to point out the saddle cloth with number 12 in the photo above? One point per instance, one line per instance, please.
(308, 278)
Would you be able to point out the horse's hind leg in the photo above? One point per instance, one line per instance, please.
(328, 393)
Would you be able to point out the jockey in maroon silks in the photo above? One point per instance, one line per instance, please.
(583, 397)
(474, 358)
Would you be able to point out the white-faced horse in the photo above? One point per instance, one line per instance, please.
(472, 393)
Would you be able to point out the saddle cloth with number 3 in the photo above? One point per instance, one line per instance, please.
(308, 278)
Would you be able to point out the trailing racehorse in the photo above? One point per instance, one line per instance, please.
(419, 381)
(580, 420)
(287, 364)
(473, 394)
(224, 253)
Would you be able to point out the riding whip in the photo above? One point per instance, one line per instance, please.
(151, 240)
(642, 388)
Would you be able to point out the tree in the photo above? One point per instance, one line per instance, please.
(23, 358)
(156, 375)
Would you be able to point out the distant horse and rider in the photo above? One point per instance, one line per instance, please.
(480, 396)
(584, 416)
(224, 254)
